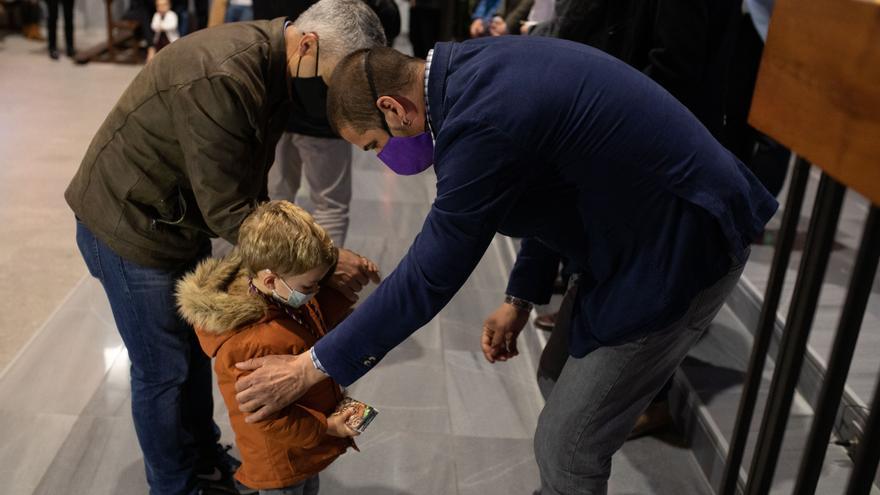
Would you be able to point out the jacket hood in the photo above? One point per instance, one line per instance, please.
(215, 298)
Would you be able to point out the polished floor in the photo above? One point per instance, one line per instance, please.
(49, 111)
(449, 423)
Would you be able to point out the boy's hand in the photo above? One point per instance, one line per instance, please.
(336, 426)
(353, 272)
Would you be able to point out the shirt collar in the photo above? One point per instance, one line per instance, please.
(427, 100)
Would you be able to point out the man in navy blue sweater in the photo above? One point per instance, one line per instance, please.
(597, 162)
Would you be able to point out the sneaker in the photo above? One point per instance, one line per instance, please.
(217, 470)
(215, 490)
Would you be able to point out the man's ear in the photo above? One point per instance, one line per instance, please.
(394, 111)
(398, 111)
(308, 42)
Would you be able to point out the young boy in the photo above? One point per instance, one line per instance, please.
(264, 299)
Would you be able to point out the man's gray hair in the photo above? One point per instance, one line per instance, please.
(343, 26)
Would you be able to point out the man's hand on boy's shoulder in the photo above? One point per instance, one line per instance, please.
(353, 272)
(275, 382)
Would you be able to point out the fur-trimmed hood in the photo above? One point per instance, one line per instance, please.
(215, 298)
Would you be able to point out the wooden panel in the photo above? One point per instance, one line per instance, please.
(818, 89)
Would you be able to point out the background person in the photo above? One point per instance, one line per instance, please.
(164, 26)
(52, 27)
(239, 10)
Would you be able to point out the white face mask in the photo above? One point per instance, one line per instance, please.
(295, 299)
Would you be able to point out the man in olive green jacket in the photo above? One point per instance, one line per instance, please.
(183, 157)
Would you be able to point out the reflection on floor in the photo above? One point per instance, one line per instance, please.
(449, 423)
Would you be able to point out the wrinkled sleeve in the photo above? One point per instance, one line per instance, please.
(213, 120)
(480, 175)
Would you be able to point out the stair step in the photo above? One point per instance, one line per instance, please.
(705, 400)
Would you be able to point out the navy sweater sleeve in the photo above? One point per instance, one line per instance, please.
(534, 272)
(479, 176)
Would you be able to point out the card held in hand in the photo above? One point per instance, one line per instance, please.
(362, 417)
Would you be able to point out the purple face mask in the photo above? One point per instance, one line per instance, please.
(405, 155)
(408, 155)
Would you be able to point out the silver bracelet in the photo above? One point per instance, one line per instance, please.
(519, 303)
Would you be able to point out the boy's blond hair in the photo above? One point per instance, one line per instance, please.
(284, 238)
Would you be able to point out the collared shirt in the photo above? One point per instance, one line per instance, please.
(316, 362)
(427, 100)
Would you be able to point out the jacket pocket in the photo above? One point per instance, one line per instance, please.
(180, 210)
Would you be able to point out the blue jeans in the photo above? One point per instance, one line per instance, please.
(237, 13)
(307, 487)
(171, 391)
(593, 404)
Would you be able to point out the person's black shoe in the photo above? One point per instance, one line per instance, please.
(244, 490)
(216, 469)
(53, 54)
(225, 461)
(71, 52)
(209, 489)
(560, 285)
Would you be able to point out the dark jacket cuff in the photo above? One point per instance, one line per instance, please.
(534, 272)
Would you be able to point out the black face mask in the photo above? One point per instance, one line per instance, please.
(310, 93)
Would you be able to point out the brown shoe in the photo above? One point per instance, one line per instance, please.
(32, 32)
(546, 322)
(655, 418)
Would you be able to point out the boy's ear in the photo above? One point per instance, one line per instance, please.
(267, 278)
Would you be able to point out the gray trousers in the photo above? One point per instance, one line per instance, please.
(594, 403)
(326, 165)
(307, 487)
